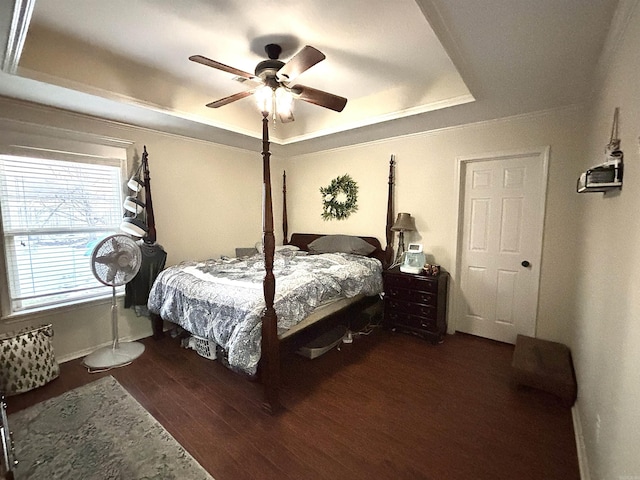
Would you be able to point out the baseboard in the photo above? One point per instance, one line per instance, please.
(583, 464)
(87, 351)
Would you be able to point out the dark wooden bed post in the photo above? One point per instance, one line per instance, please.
(150, 237)
(388, 252)
(157, 324)
(285, 222)
(270, 348)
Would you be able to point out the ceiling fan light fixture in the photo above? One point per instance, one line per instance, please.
(284, 101)
(264, 98)
(272, 91)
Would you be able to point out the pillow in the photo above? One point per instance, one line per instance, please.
(341, 244)
(286, 248)
(279, 248)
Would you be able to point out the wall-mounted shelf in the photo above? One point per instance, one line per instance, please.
(606, 176)
(602, 178)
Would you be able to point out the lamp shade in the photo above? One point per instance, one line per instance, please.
(404, 223)
(134, 205)
(134, 226)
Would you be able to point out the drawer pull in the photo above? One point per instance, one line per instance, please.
(425, 298)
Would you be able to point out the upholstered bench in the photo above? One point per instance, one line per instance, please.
(546, 366)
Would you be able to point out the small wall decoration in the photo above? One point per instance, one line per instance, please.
(340, 198)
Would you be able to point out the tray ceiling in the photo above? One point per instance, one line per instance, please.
(401, 64)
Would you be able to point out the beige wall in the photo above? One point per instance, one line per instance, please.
(426, 188)
(207, 201)
(606, 337)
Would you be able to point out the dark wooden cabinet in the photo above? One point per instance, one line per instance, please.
(416, 303)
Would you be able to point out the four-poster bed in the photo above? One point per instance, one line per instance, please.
(363, 278)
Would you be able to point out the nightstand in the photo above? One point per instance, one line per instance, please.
(416, 303)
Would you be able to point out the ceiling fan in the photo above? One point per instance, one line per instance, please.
(276, 74)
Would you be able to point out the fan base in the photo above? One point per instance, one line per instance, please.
(109, 357)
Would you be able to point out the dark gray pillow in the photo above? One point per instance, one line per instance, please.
(341, 244)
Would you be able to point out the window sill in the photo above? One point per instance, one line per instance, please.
(36, 313)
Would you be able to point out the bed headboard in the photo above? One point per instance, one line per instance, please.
(302, 241)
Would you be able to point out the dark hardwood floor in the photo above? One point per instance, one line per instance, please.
(388, 406)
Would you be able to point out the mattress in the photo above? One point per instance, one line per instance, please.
(223, 299)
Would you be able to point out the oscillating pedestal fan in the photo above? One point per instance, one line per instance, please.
(115, 261)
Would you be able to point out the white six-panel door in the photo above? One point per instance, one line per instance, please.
(503, 199)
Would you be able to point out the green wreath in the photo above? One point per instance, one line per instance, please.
(340, 198)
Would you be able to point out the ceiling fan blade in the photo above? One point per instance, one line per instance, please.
(229, 99)
(254, 82)
(220, 66)
(301, 61)
(318, 97)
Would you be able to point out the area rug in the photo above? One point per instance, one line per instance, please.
(97, 431)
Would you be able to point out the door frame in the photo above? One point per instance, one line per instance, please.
(461, 163)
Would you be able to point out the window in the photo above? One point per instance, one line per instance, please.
(54, 211)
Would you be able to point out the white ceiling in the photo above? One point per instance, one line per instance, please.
(404, 65)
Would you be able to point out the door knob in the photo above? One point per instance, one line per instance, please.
(525, 263)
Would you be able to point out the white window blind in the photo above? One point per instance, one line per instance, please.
(53, 214)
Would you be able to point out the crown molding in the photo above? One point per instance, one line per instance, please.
(22, 10)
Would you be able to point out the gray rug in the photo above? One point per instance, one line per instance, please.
(97, 431)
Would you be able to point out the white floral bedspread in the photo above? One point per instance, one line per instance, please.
(224, 300)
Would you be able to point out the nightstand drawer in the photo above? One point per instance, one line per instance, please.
(416, 296)
(402, 319)
(412, 282)
(428, 311)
